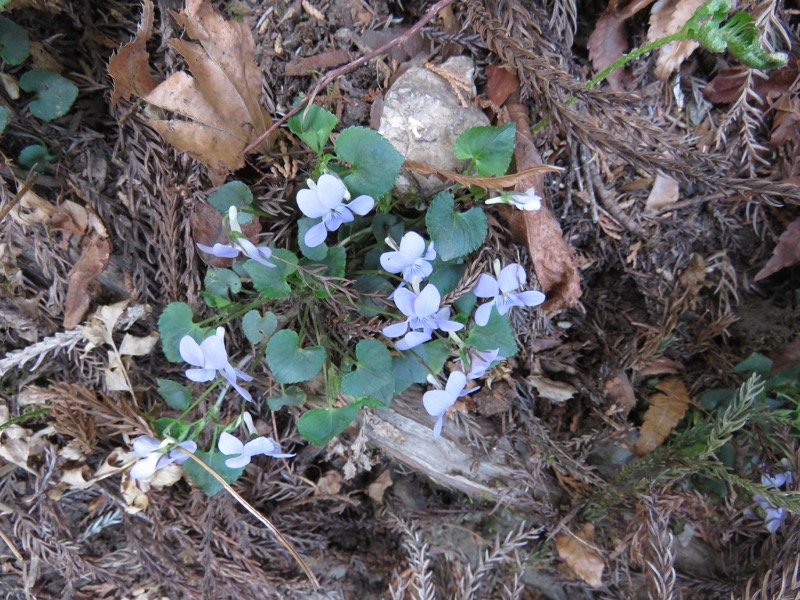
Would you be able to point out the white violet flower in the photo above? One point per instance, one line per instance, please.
(325, 199)
(211, 358)
(527, 200)
(503, 292)
(410, 257)
(437, 402)
(153, 456)
(481, 360)
(424, 316)
(239, 244)
(243, 453)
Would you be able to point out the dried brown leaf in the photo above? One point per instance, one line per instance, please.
(578, 552)
(500, 83)
(96, 251)
(786, 357)
(487, 183)
(378, 488)
(138, 346)
(786, 253)
(608, 42)
(312, 64)
(130, 66)
(666, 410)
(620, 391)
(786, 124)
(665, 192)
(666, 18)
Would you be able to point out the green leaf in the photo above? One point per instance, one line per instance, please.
(466, 303)
(334, 261)
(14, 44)
(446, 277)
(410, 366)
(755, 363)
(37, 156)
(496, 333)
(313, 124)
(716, 399)
(215, 460)
(221, 281)
(288, 362)
(5, 117)
(174, 394)
(455, 234)
(372, 288)
(491, 148)
(291, 396)
(167, 426)
(387, 225)
(315, 253)
(175, 322)
(373, 160)
(320, 425)
(271, 281)
(233, 193)
(54, 93)
(258, 328)
(373, 374)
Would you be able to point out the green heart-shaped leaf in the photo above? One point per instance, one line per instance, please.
(258, 328)
(174, 394)
(410, 366)
(320, 425)
(5, 117)
(233, 193)
(315, 253)
(36, 156)
(313, 124)
(291, 396)
(175, 322)
(373, 374)
(496, 333)
(54, 93)
(271, 281)
(374, 163)
(222, 281)
(455, 234)
(14, 44)
(203, 478)
(489, 147)
(288, 362)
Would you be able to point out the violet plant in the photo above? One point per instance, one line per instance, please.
(383, 256)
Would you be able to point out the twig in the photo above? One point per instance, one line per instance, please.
(18, 196)
(401, 39)
(11, 546)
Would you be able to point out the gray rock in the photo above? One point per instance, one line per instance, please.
(422, 118)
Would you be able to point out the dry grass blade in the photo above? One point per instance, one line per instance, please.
(262, 519)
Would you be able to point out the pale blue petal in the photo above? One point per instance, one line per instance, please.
(201, 375)
(427, 303)
(394, 262)
(511, 278)
(145, 445)
(333, 220)
(431, 253)
(395, 329)
(483, 313)
(455, 383)
(232, 380)
(486, 287)
(531, 298)
(446, 325)
(238, 463)
(229, 444)
(266, 446)
(309, 204)
(214, 354)
(191, 352)
(220, 250)
(412, 245)
(362, 205)
(145, 467)
(413, 339)
(437, 428)
(316, 235)
(404, 300)
(330, 190)
(436, 402)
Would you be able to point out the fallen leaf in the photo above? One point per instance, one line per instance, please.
(661, 366)
(555, 391)
(666, 18)
(378, 488)
(32, 209)
(206, 225)
(220, 102)
(786, 253)
(502, 181)
(578, 552)
(666, 410)
(115, 375)
(500, 83)
(727, 85)
(607, 43)
(312, 64)
(329, 484)
(101, 324)
(77, 478)
(786, 357)
(135, 497)
(786, 124)
(96, 251)
(665, 192)
(620, 391)
(138, 346)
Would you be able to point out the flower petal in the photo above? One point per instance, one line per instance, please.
(437, 428)
(220, 250)
(146, 467)
(238, 462)
(316, 235)
(229, 444)
(531, 298)
(362, 205)
(333, 220)
(455, 383)
(446, 325)
(201, 375)
(404, 300)
(427, 303)
(395, 329)
(214, 354)
(309, 204)
(483, 313)
(330, 190)
(412, 245)
(266, 446)
(145, 444)
(394, 262)
(486, 287)
(190, 351)
(511, 278)
(436, 402)
(412, 339)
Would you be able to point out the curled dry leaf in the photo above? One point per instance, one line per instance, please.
(608, 42)
(577, 550)
(666, 410)
(666, 18)
(378, 488)
(329, 484)
(620, 391)
(219, 104)
(555, 391)
(665, 192)
(786, 253)
(311, 64)
(95, 253)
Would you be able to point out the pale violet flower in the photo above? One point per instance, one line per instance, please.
(481, 360)
(243, 453)
(773, 515)
(210, 358)
(424, 316)
(326, 199)
(437, 402)
(411, 257)
(527, 200)
(503, 292)
(153, 456)
(239, 244)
